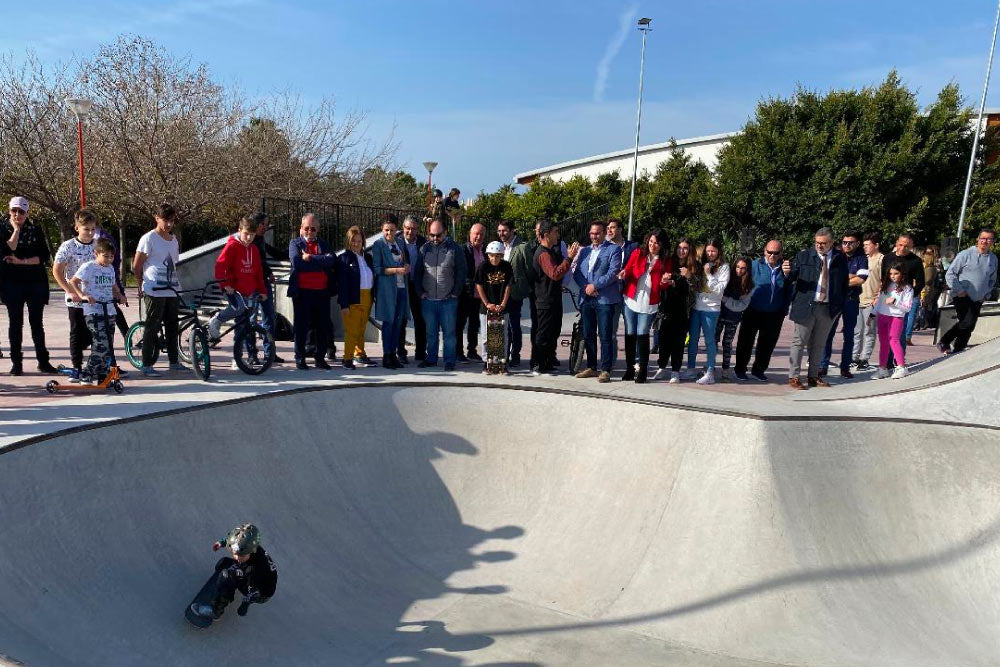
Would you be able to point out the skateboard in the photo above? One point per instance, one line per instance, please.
(496, 362)
(205, 596)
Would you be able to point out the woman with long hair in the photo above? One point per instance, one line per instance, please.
(356, 279)
(646, 273)
(675, 309)
(705, 313)
(735, 300)
(391, 298)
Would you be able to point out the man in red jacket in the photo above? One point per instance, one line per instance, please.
(240, 271)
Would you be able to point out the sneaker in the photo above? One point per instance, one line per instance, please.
(587, 373)
(675, 377)
(943, 349)
(233, 365)
(689, 374)
(707, 378)
(535, 372)
(474, 356)
(449, 367)
(900, 372)
(604, 377)
(740, 376)
(177, 366)
(74, 377)
(122, 373)
(214, 328)
(759, 377)
(301, 365)
(883, 373)
(427, 364)
(349, 364)
(150, 372)
(862, 366)
(365, 362)
(323, 365)
(660, 373)
(515, 362)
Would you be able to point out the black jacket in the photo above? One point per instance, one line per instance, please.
(469, 288)
(257, 574)
(914, 271)
(410, 259)
(804, 277)
(349, 278)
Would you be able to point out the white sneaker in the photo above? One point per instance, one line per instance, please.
(707, 378)
(234, 366)
(689, 374)
(675, 377)
(214, 328)
(660, 373)
(900, 372)
(882, 373)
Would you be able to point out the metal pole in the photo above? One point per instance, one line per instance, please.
(79, 137)
(979, 129)
(429, 172)
(638, 124)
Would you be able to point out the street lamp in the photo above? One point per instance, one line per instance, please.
(81, 108)
(979, 129)
(429, 166)
(643, 28)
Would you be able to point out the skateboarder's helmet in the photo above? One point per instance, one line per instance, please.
(494, 248)
(244, 539)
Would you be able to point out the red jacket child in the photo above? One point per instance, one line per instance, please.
(239, 267)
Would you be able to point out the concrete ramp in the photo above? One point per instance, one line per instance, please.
(474, 526)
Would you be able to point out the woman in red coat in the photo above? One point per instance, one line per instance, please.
(647, 271)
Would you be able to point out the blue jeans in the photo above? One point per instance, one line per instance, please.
(597, 321)
(391, 329)
(911, 318)
(637, 324)
(849, 316)
(267, 312)
(441, 315)
(702, 321)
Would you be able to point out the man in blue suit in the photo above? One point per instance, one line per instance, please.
(596, 273)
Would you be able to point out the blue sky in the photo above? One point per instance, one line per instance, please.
(489, 89)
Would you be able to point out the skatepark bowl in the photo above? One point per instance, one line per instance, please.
(530, 527)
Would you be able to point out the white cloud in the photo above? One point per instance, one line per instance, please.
(614, 46)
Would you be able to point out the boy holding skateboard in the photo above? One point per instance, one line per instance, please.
(493, 281)
(250, 570)
(94, 285)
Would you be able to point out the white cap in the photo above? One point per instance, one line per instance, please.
(494, 248)
(18, 202)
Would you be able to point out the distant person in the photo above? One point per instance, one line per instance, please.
(549, 267)
(510, 240)
(436, 210)
(311, 283)
(391, 267)
(865, 331)
(972, 277)
(819, 287)
(266, 250)
(468, 300)
(764, 315)
(933, 281)
(735, 300)
(596, 274)
(452, 207)
(493, 280)
(356, 282)
(675, 309)
(440, 276)
(705, 313)
(70, 256)
(895, 300)
(646, 274)
(95, 286)
(156, 260)
(857, 271)
(411, 241)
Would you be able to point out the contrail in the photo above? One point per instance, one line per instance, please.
(614, 46)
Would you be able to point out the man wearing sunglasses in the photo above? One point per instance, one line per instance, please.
(857, 272)
(439, 277)
(764, 316)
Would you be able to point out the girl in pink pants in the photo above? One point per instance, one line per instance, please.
(893, 304)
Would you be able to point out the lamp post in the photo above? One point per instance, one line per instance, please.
(643, 28)
(979, 129)
(81, 108)
(429, 166)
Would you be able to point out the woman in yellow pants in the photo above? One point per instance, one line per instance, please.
(355, 279)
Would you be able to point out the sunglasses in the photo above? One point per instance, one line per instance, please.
(772, 252)
(16, 211)
(435, 236)
(310, 229)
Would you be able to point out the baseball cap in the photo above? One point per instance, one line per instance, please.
(18, 202)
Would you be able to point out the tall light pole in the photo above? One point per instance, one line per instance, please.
(429, 166)
(979, 129)
(81, 108)
(643, 28)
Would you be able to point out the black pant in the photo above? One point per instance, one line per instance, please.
(547, 338)
(311, 308)
(514, 340)
(33, 295)
(765, 328)
(227, 583)
(532, 335)
(121, 322)
(966, 314)
(673, 333)
(79, 336)
(419, 327)
(468, 315)
(159, 309)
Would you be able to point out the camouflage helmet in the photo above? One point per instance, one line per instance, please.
(243, 539)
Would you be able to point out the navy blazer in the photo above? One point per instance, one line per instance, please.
(324, 261)
(605, 275)
(804, 277)
(349, 278)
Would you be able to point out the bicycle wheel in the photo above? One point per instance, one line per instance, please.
(249, 344)
(133, 345)
(201, 359)
(184, 341)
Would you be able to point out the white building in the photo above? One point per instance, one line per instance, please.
(703, 149)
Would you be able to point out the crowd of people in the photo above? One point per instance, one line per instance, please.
(677, 300)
